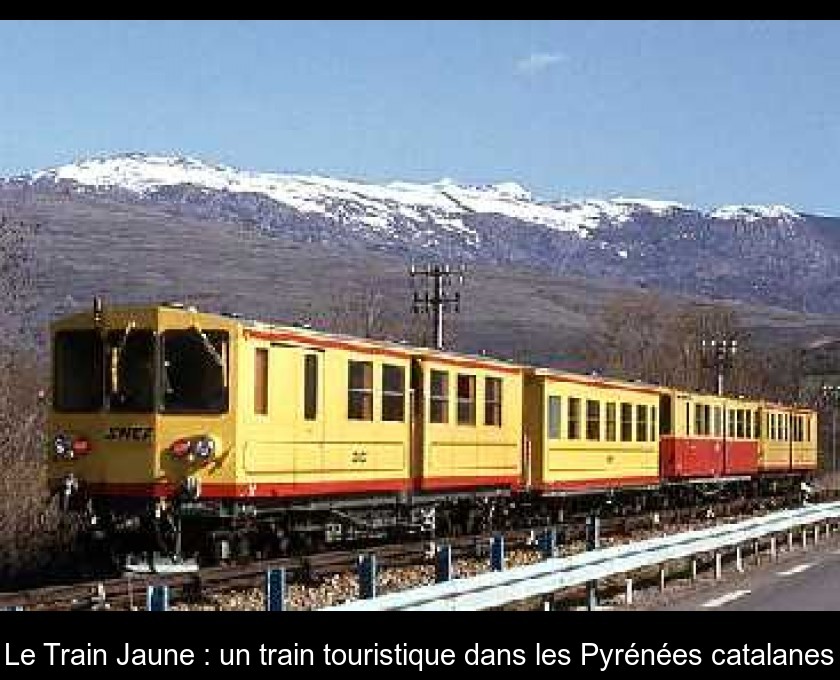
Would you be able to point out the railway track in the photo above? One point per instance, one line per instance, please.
(128, 591)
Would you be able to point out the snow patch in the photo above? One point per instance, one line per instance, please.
(753, 213)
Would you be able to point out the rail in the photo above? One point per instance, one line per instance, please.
(496, 589)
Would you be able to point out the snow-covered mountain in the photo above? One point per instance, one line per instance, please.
(381, 207)
(759, 253)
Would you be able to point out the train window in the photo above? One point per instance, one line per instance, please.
(718, 421)
(665, 424)
(493, 401)
(641, 422)
(261, 381)
(574, 418)
(611, 424)
(807, 428)
(627, 422)
(393, 393)
(554, 412)
(130, 371)
(195, 371)
(77, 377)
(698, 419)
(310, 386)
(466, 399)
(784, 427)
(688, 419)
(360, 390)
(653, 429)
(739, 423)
(730, 424)
(772, 426)
(438, 397)
(593, 420)
(748, 425)
(756, 425)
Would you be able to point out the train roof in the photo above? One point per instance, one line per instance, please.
(598, 380)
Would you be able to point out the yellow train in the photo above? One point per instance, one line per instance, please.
(210, 434)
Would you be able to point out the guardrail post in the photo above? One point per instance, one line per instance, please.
(443, 564)
(757, 552)
(275, 590)
(718, 567)
(663, 573)
(804, 538)
(497, 553)
(366, 570)
(593, 542)
(816, 534)
(773, 548)
(739, 561)
(157, 598)
(790, 541)
(628, 591)
(548, 543)
(593, 532)
(693, 569)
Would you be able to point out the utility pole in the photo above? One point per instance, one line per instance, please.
(831, 396)
(718, 354)
(435, 298)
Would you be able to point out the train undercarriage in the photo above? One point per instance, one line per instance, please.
(187, 531)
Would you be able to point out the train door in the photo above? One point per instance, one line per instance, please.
(309, 415)
(269, 392)
(417, 416)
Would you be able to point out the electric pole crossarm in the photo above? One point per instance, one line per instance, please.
(436, 299)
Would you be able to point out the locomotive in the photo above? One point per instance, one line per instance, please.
(185, 433)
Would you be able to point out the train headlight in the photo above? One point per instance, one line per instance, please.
(197, 449)
(62, 447)
(67, 447)
(81, 446)
(204, 448)
(181, 448)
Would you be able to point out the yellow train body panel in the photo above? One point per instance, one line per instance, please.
(471, 420)
(788, 439)
(290, 448)
(585, 434)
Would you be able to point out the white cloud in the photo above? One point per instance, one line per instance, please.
(539, 61)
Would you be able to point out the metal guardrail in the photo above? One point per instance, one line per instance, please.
(495, 589)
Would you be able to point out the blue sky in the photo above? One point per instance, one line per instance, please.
(702, 112)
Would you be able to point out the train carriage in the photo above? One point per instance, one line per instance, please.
(471, 416)
(708, 437)
(328, 416)
(588, 434)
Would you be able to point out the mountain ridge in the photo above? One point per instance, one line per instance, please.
(762, 254)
